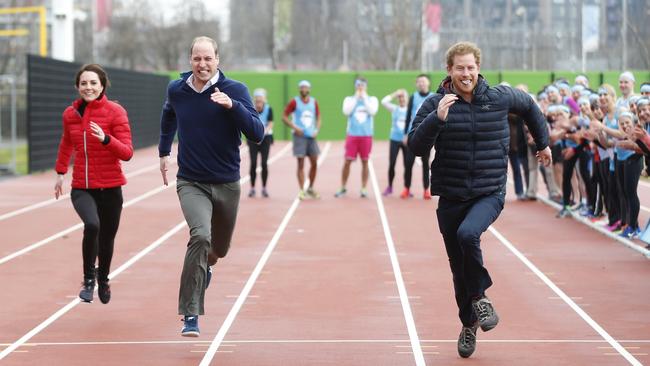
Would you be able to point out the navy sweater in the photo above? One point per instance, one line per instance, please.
(209, 135)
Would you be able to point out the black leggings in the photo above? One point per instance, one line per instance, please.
(567, 173)
(395, 147)
(263, 149)
(408, 169)
(627, 176)
(611, 192)
(599, 188)
(584, 158)
(100, 210)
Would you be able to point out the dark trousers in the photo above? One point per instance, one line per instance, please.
(611, 190)
(567, 173)
(461, 224)
(263, 150)
(584, 159)
(395, 148)
(100, 211)
(627, 175)
(519, 165)
(598, 187)
(408, 169)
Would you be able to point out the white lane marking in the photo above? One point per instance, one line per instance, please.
(602, 332)
(399, 280)
(230, 318)
(234, 343)
(12, 347)
(131, 202)
(50, 201)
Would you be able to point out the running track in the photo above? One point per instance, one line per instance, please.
(331, 282)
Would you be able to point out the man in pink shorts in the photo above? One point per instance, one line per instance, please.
(360, 110)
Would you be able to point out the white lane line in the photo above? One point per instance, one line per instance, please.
(50, 201)
(401, 288)
(221, 334)
(234, 343)
(602, 332)
(12, 347)
(78, 226)
(131, 202)
(67, 195)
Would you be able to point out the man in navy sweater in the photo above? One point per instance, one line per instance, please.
(210, 112)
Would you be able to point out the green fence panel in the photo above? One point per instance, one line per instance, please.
(274, 83)
(330, 88)
(611, 77)
(535, 80)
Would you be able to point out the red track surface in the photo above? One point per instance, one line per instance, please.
(327, 294)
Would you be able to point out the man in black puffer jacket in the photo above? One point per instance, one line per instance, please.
(467, 122)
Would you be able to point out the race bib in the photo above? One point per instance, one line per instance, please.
(307, 119)
(401, 123)
(361, 115)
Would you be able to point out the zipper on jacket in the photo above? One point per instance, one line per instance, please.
(86, 158)
(472, 161)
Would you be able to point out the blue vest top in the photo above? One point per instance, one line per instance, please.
(621, 154)
(399, 122)
(360, 122)
(305, 115)
(417, 103)
(264, 117)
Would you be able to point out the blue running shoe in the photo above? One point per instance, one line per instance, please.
(208, 277)
(626, 233)
(636, 233)
(190, 326)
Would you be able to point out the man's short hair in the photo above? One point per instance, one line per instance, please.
(423, 76)
(204, 39)
(462, 48)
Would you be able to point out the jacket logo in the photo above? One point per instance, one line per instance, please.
(485, 107)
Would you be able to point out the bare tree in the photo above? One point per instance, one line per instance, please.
(142, 38)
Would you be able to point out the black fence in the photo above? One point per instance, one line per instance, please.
(50, 89)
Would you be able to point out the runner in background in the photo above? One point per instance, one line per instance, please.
(423, 86)
(266, 116)
(360, 110)
(305, 124)
(398, 121)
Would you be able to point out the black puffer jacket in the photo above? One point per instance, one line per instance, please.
(471, 147)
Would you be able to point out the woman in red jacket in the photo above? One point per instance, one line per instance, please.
(96, 131)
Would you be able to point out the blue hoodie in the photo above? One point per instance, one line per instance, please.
(209, 135)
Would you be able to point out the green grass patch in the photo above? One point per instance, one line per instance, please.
(21, 158)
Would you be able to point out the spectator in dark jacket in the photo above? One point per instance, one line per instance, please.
(467, 122)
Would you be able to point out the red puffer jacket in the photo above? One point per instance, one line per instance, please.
(95, 165)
